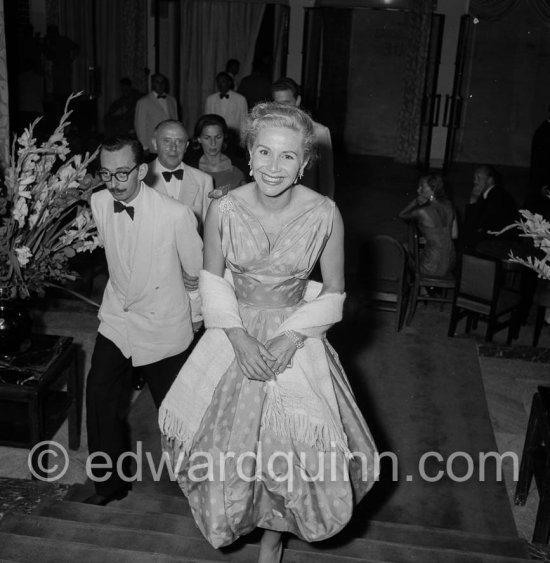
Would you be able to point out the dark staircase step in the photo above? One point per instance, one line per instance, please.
(121, 514)
(90, 514)
(191, 541)
(141, 499)
(400, 552)
(153, 519)
(426, 537)
(28, 549)
(144, 541)
(147, 498)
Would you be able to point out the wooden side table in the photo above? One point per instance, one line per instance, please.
(33, 402)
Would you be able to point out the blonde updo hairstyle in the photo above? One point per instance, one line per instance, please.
(272, 114)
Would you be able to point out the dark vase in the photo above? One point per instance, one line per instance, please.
(15, 325)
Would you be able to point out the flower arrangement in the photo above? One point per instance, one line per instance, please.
(535, 227)
(44, 216)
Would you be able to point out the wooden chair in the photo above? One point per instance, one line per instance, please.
(425, 282)
(382, 275)
(542, 300)
(535, 462)
(481, 295)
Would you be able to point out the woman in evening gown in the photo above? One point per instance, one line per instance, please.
(211, 135)
(261, 424)
(435, 217)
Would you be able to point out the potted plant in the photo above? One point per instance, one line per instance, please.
(535, 227)
(45, 220)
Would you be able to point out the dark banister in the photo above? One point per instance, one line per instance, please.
(437, 108)
(448, 104)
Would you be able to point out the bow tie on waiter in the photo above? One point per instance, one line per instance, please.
(120, 207)
(222, 96)
(161, 96)
(178, 174)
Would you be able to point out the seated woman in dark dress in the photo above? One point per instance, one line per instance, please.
(211, 135)
(436, 220)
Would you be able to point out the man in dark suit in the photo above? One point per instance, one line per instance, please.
(491, 208)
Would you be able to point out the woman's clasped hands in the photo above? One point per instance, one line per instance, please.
(259, 362)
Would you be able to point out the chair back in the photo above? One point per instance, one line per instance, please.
(383, 259)
(478, 277)
(481, 292)
(382, 274)
(542, 293)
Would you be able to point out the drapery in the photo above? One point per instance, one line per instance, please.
(493, 10)
(121, 46)
(211, 33)
(112, 39)
(408, 128)
(279, 41)
(4, 105)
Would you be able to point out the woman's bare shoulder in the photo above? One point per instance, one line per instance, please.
(306, 196)
(243, 193)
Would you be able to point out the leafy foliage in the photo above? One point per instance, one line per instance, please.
(45, 218)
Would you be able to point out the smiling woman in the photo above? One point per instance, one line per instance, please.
(277, 159)
(274, 390)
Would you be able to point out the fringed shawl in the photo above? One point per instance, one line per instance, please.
(300, 403)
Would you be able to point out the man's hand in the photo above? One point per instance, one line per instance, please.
(476, 192)
(190, 282)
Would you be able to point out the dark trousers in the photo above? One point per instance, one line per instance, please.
(108, 395)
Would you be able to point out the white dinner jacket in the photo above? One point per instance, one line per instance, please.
(148, 316)
(319, 176)
(193, 188)
(149, 113)
(233, 109)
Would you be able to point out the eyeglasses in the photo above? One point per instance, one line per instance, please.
(121, 175)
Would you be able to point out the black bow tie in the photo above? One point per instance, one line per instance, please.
(222, 96)
(177, 173)
(120, 207)
(161, 96)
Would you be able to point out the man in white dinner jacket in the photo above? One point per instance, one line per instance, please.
(230, 105)
(147, 315)
(153, 108)
(170, 176)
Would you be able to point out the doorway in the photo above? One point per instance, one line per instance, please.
(505, 88)
(357, 78)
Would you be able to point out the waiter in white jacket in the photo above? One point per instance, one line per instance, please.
(147, 315)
